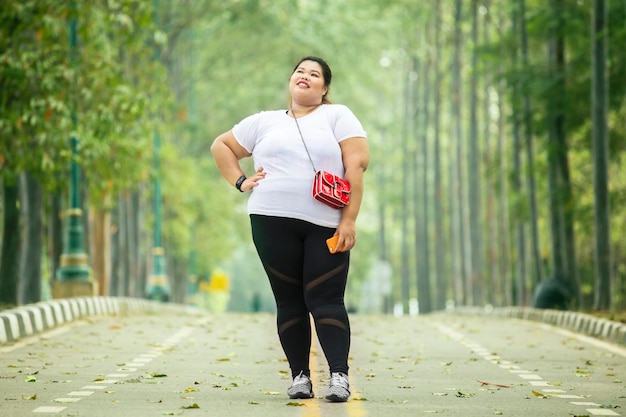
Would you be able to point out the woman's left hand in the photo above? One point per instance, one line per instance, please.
(347, 235)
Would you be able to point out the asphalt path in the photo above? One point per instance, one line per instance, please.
(192, 363)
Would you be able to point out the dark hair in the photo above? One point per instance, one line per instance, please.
(326, 72)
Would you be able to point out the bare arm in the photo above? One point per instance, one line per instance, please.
(355, 152)
(227, 152)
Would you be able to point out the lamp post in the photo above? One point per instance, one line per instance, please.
(74, 264)
(157, 287)
(73, 275)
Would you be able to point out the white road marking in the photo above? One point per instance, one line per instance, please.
(530, 376)
(536, 380)
(48, 409)
(66, 400)
(87, 390)
(602, 412)
(81, 393)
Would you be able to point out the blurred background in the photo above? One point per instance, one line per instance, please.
(496, 131)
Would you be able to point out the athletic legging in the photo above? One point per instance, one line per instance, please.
(305, 278)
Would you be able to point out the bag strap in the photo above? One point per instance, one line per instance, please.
(302, 137)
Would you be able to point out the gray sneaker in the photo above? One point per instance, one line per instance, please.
(339, 388)
(301, 388)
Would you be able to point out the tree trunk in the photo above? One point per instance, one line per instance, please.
(406, 289)
(504, 240)
(599, 99)
(382, 233)
(114, 281)
(101, 247)
(504, 222)
(473, 171)
(124, 254)
(516, 186)
(490, 226)
(55, 234)
(9, 257)
(456, 161)
(421, 202)
(135, 244)
(441, 271)
(563, 247)
(178, 272)
(32, 249)
(537, 262)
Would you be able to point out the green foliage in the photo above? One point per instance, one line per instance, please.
(33, 80)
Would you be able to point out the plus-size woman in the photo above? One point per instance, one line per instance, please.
(290, 227)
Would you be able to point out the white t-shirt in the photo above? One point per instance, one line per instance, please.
(273, 139)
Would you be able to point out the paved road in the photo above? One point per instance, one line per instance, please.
(197, 364)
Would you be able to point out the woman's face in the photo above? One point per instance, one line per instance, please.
(307, 84)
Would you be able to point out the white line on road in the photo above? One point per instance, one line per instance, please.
(86, 391)
(530, 376)
(81, 393)
(602, 412)
(66, 400)
(533, 379)
(48, 409)
(539, 383)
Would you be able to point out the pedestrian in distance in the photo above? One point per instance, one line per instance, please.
(290, 228)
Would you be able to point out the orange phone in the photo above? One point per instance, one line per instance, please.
(332, 244)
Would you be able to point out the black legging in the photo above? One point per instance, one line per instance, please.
(305, 278)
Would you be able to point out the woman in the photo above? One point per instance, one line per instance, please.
(290, 228)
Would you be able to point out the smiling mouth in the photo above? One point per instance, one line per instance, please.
(302, 84)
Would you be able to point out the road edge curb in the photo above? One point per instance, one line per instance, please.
(31, 319)
(611, 331)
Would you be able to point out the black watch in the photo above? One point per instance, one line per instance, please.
(239, 182)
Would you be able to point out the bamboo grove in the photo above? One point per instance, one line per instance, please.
(496, 130)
